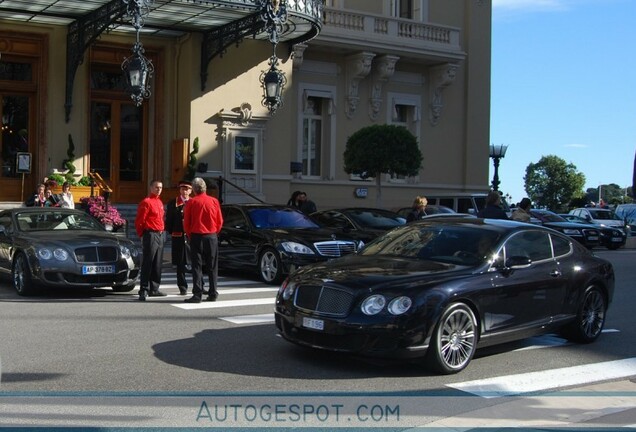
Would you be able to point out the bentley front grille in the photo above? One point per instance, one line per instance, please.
(323, 299)
(96, 254)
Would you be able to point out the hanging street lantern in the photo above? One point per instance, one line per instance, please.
(138, 69)
(273, 80)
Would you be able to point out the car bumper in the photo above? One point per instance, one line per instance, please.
(373, 340)
(124, 272)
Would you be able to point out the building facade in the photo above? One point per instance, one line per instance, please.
(423, 64)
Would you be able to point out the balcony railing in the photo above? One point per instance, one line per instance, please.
(361, 29)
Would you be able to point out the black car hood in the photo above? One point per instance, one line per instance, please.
(74, 238)
(368, 272)
(309, 235)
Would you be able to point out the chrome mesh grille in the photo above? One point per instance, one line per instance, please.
(335, 248)
(323, 299)
(95, 254)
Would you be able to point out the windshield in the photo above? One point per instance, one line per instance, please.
(55, 221)
(450, 244)
(268, 218)
(603, 215)
(548, 217)
(376, 219)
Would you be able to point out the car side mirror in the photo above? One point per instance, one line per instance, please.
(3, 230)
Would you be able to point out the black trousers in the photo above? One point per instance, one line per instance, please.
(180, 259)
(204, 250)
(151, 262)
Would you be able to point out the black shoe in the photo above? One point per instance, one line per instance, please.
(157, 294)
(183, 291)
(142, 297)
(205, 291)
(211, 298)
(193, 299)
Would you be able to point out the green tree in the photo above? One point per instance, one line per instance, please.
(378, 149)
(610, 193)
(553, 183)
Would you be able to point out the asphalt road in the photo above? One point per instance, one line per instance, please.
(177, 361)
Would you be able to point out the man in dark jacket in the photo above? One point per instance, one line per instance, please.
(174, 226)
(493, 208)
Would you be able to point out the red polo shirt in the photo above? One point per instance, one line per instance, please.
(202, 215)
(149, 215)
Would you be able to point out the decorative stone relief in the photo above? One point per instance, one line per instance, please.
(441, 77)
(383, 70)
(298, 55)
(358, 67)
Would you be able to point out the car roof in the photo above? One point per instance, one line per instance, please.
(357, 209)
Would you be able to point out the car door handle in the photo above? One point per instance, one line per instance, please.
(555, 273)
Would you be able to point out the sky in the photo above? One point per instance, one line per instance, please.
(564, 84)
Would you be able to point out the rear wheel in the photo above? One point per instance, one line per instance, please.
(454, 340)
(270, 267)
(590, 318)
(21, 276)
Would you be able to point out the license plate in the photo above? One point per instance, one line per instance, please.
(98, 269)
(617, 239)
(312, 323)
(592, 238)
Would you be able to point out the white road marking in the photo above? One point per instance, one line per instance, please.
(520, 384)
(225, 304)
(250, 319)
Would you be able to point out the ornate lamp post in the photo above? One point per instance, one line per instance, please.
(137, 68)
(273, 80)
(497, 152)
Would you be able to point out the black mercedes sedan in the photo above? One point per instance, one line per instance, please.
(275, 240)
(360, 222)
(586, 234)
(610, 237)
(59, 247)
(438, 289)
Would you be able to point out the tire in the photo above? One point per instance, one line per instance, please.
(454, 340)
(21, 276)
(590, 317)
(123, 288)
(270, 267)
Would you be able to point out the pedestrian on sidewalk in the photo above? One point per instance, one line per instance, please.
(174, 227)
(202, 221)
(150, 226)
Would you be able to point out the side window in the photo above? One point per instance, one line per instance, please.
(561, 246)
(233, 218)
(464, 205)
(448, 202)
(5, 221)
(532, 244)
(333, 220)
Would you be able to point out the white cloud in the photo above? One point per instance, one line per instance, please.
(576, 146)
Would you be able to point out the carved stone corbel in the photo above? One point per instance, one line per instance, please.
(358, 67)
(383, 70)
(441, 77)
(298, 55)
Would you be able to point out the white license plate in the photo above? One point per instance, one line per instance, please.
(98, 269)
(592, 238)
(312, 323)
(617, 239)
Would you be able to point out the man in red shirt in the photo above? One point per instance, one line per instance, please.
(149, 226)
(202, 221)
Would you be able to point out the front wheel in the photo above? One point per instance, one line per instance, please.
(454, 340)
(21, 276)
(270, 267)
(590, 318)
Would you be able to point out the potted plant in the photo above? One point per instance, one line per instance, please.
(106, 214)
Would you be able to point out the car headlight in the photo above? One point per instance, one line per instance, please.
(125, 252)
(373, 305)
(293, 247)
(59, 254)
(288, 289)
(399, 305)
(571, 232)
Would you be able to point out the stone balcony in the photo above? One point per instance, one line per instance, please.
(357, 31)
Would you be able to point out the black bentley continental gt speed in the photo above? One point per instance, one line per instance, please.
(439, 289)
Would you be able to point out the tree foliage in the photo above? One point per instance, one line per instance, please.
(553, 183)
(610, 193)
(378, 149)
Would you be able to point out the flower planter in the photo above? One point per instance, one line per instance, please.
(78, 192)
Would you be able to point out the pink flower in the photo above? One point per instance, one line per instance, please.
(97, 207)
